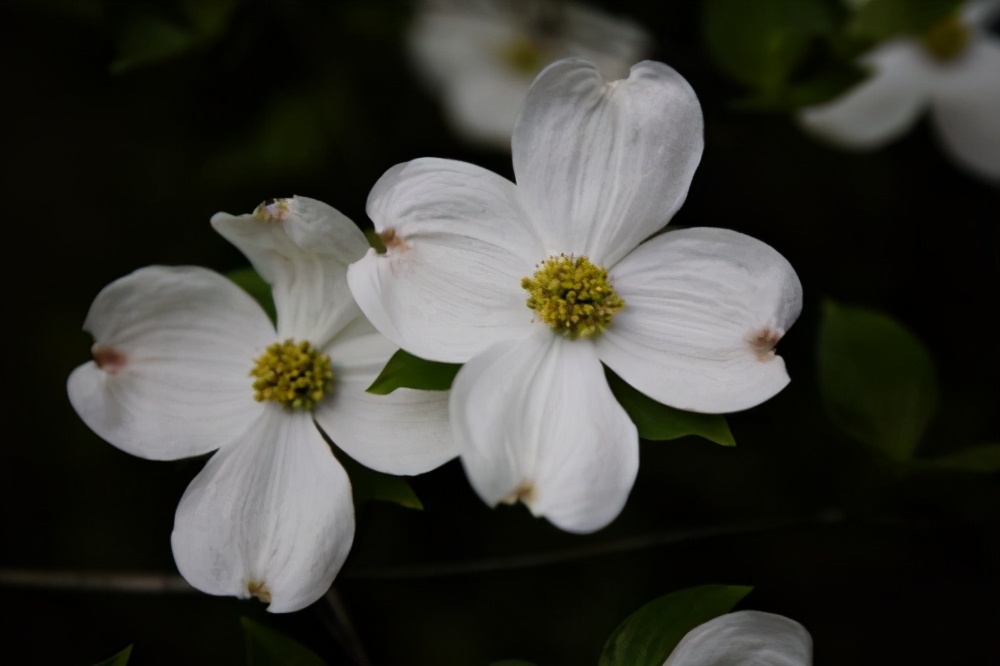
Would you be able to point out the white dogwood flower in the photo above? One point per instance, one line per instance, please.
(952, 71)
(482, 55)
(534, 285)
(185, 362)
(745, 638)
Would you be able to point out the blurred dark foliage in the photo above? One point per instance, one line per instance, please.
(120, 156)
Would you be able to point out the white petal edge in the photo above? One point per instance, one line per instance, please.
(601, 165)
(536, 422)
(177, 344)
(966, 109)
(703, 309)
(745, 638)
(449, 284)
(270, 515)
(882, 108)
(301, 247)
(405, 432)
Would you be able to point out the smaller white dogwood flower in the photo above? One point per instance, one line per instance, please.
(185, 362)
(952, 70)
(534, 286)
(745, 638)
(482, 55)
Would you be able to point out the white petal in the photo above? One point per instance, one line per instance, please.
(966, 109)
(177, 346)
(537, 422)
(482, 105)
(882, 108)
(703, 310)
(745, 638)
(602, 165)
(270, 515)
(302, 248)
(405, 432)
(450, 283)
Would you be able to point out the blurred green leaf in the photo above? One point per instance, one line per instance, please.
(832, 81)
(367, 484)
(982, 458)
(658, 422)
(251, 282)
(878, 20)
(760, 43)
(512, 662)
(120, 659)
(404, 370)
(649, 635)
(877, 380)
(267, 647)
(375, 240)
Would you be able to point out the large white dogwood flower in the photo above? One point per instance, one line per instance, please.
(954, 70)
(185, 362)
(534, 285)
(482, 55)
(744, 638)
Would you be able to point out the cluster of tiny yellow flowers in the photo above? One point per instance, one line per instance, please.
(293, 374)
(947, 39)
(572, 295)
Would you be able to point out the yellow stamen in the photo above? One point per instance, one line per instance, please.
(293, 374)
(947, 39)
(573, 296)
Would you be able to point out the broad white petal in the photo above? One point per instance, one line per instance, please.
(966, 109)
(536, 422)
(405, 432)
(882, 108)
(612, 43)
(482, 105)
(173, 351)
(270, 516)
(703, 311)
(745, 638)
(601, 165)
(449, 284)
(302, 248)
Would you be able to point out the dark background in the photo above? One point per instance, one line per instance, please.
(106, 171)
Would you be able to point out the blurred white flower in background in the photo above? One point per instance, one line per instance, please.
(953, 70)
(745, 638)
(482, 55)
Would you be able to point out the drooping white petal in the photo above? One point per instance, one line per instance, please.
(745, 638)
(405, 432)
(882, 108)
(703, 311)
(449, 284)
(966, 109)
(269, 516)
(536, 422)
(173, 351)
(602, 165)
(302, 248)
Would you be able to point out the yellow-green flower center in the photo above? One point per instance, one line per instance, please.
(947, 39)
(293, 374)
(523, 55)
(572, 295)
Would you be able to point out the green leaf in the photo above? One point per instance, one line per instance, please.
(251, 282)
(761, 42)
(877, 379)
(375, 240)
(649, 635)
(267, 647)
(982, 458)
(657, 422)
(404, 370)
(878, 20)
(120, 659)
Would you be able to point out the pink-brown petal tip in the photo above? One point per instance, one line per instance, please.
(391, 240)
(109, 359)
(763, 342)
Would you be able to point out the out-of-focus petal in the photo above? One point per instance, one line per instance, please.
(302, 248)
(536, 422)
(270, 516)
(703, 311)
(745, 638)
(405, 432)
(600, 165)
(173, 351)
(884, 107)
(449, 284)
(966, 109)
